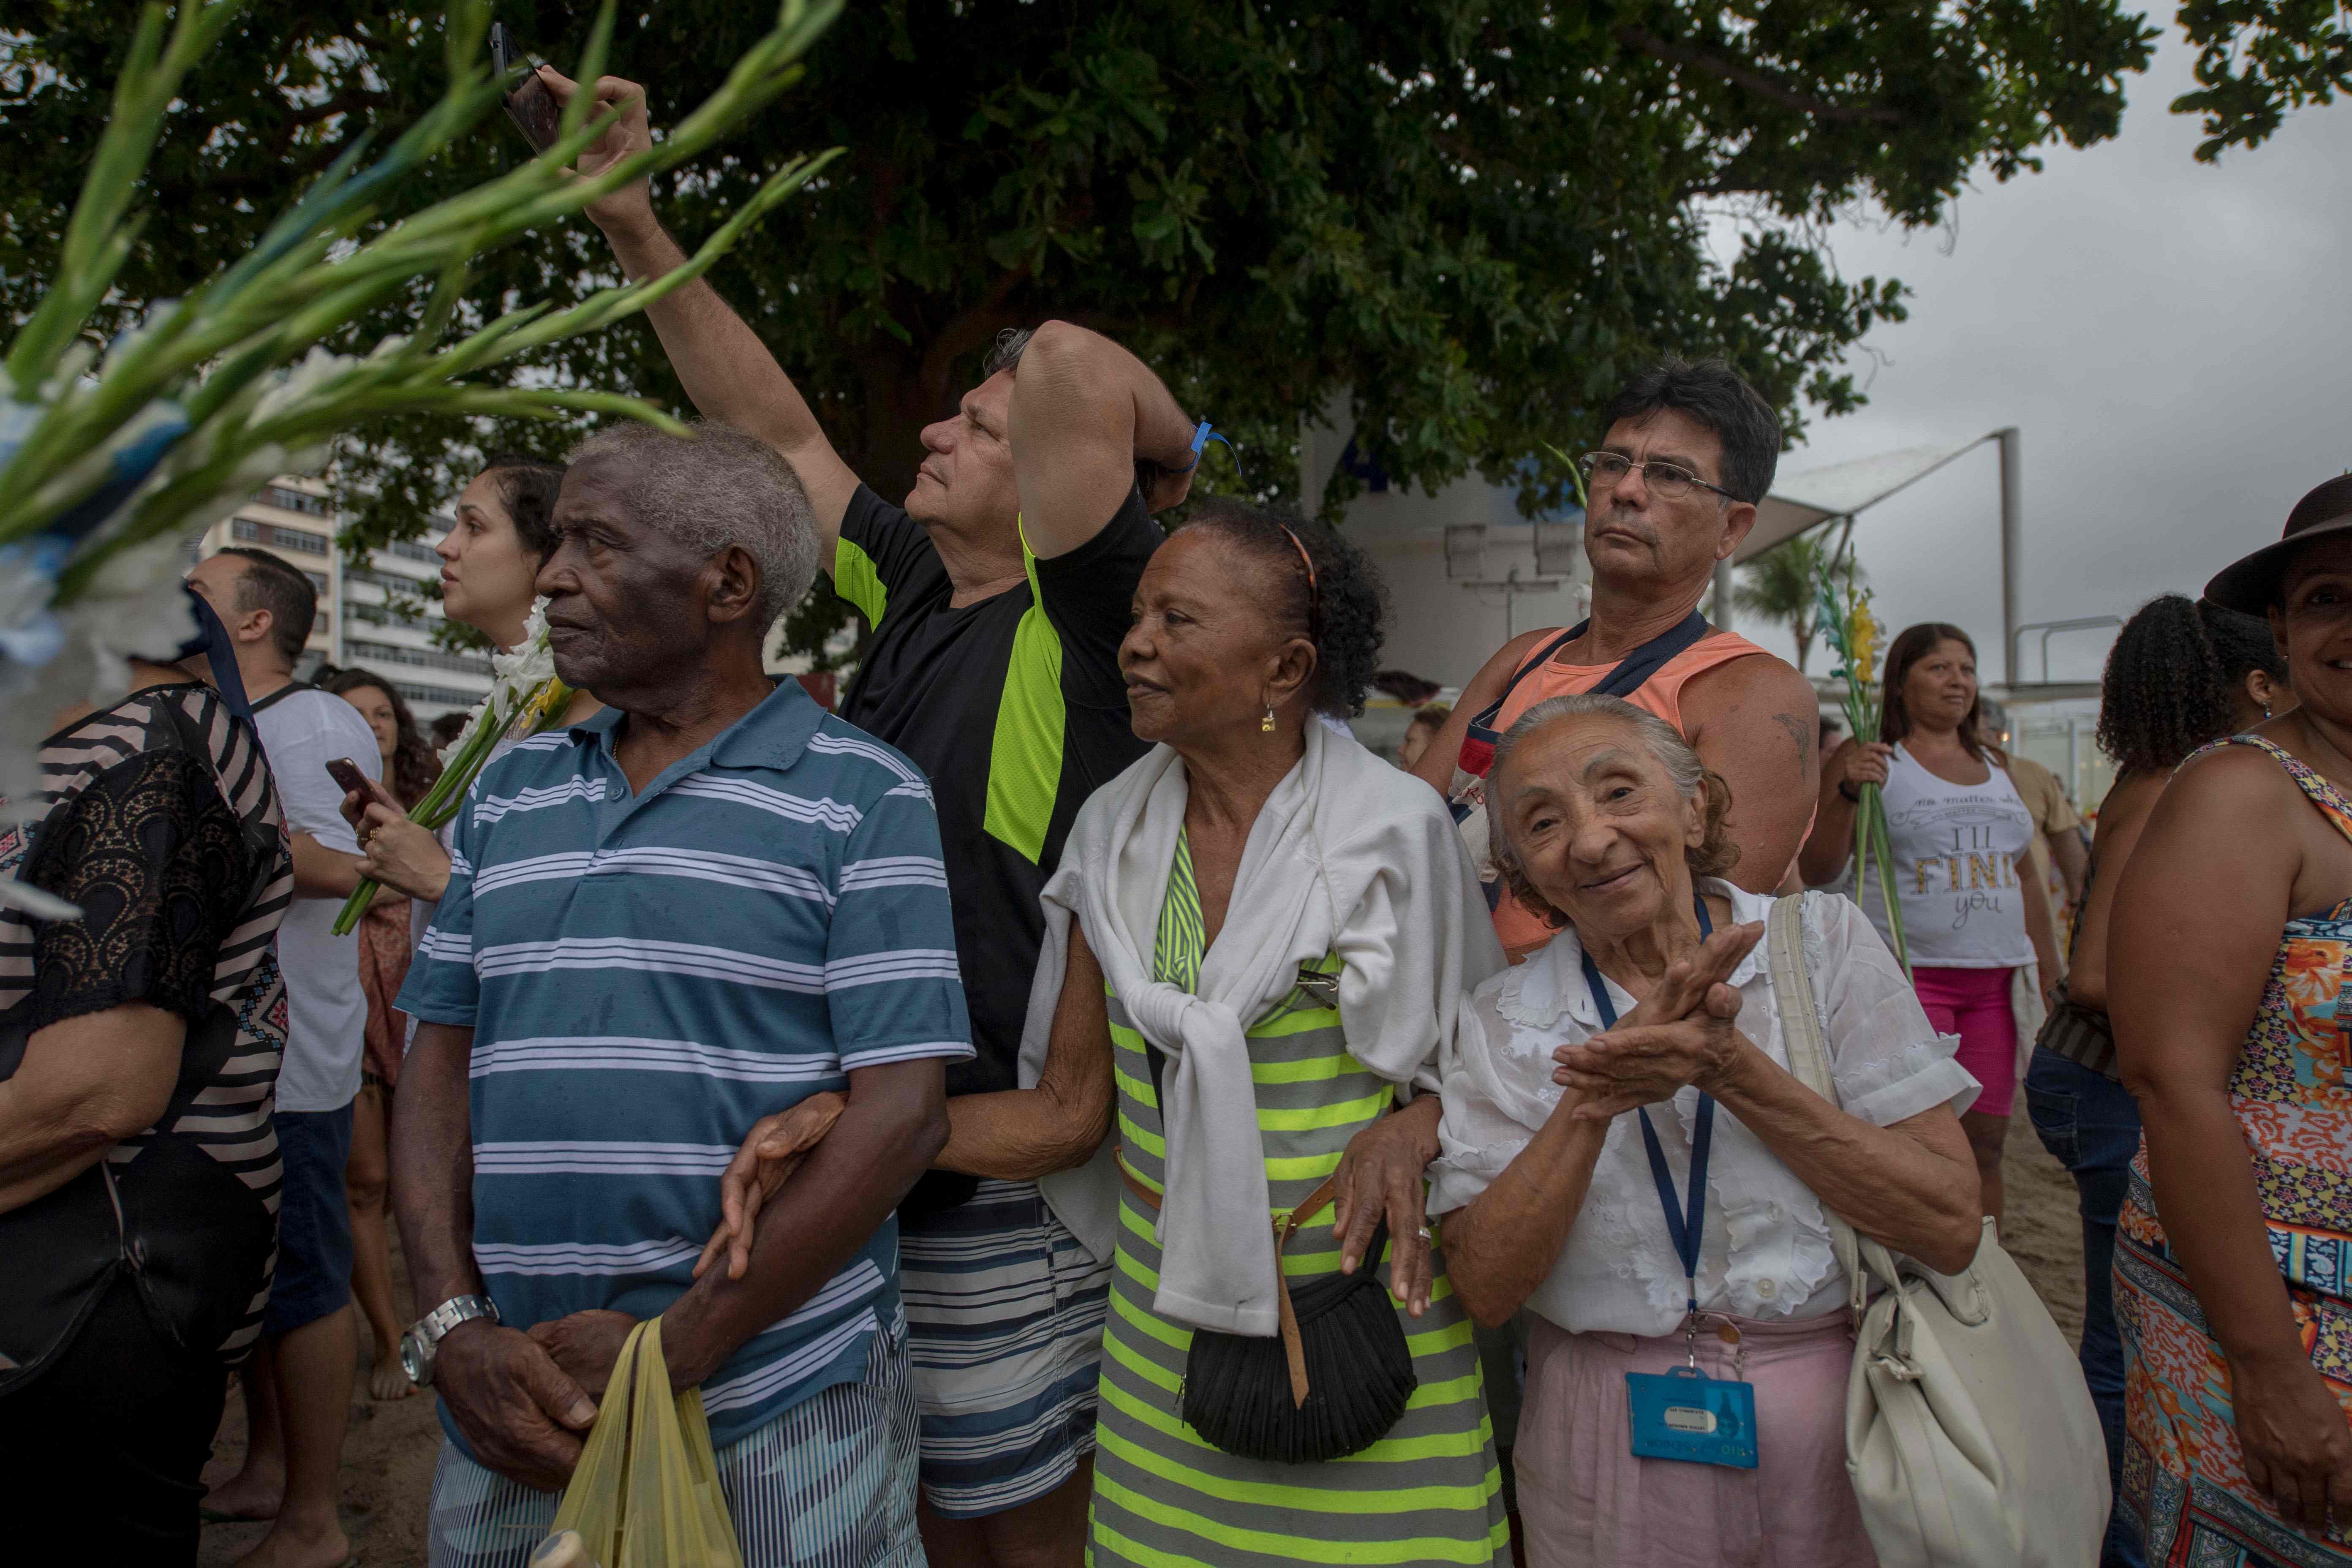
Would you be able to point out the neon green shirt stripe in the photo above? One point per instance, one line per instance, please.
(1025, 757)
(856, 579)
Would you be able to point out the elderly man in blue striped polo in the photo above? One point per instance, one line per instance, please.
(710, 902)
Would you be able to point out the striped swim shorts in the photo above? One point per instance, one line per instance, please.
(830, 1483)
(1004, 1309)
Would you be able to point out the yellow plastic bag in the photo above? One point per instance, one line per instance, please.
(645, 1494)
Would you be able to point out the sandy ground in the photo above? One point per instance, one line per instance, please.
(388, 1455)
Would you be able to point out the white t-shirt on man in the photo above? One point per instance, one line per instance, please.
(302, 729)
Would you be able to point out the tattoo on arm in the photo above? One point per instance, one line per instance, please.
(1796, 728)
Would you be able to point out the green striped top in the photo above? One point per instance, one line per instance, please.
(1429, 1492)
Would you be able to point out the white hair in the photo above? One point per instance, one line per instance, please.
(718, 490)
(1691, 779)
(1664, 741)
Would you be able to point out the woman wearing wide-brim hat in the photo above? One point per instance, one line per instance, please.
(2230, 941)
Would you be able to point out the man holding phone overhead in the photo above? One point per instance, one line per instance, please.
(999, 593)
(529, 105)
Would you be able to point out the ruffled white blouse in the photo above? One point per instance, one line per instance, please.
(1766, 1251)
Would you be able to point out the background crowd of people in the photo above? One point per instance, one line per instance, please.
(933, 1068)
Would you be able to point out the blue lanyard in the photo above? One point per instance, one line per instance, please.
(1684, 1221)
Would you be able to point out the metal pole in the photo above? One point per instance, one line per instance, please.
(1723, 595)
(2012, 551)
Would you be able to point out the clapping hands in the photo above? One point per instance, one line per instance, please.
(1681, 1033)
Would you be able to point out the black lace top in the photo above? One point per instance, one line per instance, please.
(164, 829)
(162, 868)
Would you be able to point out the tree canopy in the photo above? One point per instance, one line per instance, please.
(1469, 219)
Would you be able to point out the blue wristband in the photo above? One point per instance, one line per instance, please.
(1202, 434)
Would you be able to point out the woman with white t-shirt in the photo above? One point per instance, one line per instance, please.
(1973, 912)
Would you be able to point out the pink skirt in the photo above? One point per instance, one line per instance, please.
(1586, 1502)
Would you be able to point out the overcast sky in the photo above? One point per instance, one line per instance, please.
(2174, 339)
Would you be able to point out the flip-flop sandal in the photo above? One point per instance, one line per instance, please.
(215, 1516)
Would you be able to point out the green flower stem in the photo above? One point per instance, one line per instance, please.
(1876, 805)
(425, 385)
(97, 243)
(293, 290)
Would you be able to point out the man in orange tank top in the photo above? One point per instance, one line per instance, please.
(1690, 449)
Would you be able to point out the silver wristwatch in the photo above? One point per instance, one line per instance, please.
(423, 1339)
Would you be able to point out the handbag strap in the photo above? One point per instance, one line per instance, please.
(1809, 1059)
(1284, 1228)
(1628, 675)
(1293, 1346)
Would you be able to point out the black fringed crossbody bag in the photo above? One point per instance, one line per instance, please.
(1331, 1384)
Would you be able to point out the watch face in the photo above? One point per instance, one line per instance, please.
(415, 1360)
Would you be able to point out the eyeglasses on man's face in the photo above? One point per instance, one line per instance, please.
(1668, 481)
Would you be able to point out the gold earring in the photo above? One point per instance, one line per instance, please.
(1266, 725)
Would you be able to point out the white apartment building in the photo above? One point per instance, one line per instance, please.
(380, 616)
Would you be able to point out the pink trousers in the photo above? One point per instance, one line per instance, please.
(1587, 1503)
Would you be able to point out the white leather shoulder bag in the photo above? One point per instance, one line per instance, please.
(1970, 1433)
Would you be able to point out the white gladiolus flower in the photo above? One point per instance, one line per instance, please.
(519, 672)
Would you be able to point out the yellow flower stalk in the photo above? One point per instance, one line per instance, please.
(1854, 631)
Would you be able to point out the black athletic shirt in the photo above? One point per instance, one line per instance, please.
(1015, 709)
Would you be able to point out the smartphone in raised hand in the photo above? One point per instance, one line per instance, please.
(529, 105)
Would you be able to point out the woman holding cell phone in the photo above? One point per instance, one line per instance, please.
(502, 531)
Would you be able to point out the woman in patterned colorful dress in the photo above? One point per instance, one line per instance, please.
(2228, 961)
(1264, 929)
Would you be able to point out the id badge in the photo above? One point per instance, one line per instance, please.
(1698, 1420)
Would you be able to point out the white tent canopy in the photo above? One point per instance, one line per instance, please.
(1843, 489)
(1800, 501)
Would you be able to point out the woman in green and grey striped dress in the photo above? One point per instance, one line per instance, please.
(1428, 1491)
(1278, 927)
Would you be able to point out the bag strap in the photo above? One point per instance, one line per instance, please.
(1809, 1059)
(1294, 1345)
(1629, 675)
(281, 694)
(1481, 724)
(1284, 1228)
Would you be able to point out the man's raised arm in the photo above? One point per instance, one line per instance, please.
(1084, 410)
(725, 368)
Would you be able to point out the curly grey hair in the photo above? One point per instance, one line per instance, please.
(1714, 852)
(720, 488)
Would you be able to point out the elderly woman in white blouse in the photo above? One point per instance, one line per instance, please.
(1643, 1035)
